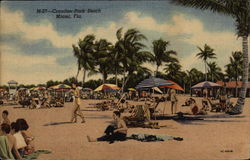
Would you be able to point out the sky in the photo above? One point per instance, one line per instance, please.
(37, 47)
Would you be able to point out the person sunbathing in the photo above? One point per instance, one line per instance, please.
(113, 133)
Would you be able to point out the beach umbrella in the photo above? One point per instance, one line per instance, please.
(157, 89)
(131, 89)
(107, 87)
(87, 89)
(37, 88)
(173, 86)
(206, 84)
(21, 88)
(61, 86)
(153, 82)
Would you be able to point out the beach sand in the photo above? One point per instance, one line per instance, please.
(221, 137)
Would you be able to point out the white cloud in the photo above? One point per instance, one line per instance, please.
(179, 25)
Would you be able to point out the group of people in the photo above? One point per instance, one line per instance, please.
(16, 141)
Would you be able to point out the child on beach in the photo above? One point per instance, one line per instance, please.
(29, 139)
(5, 114)
(20, 142)
(117, 133)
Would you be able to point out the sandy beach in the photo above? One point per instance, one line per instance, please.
(219, 136)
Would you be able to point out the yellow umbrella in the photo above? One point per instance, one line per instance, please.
(131, 89)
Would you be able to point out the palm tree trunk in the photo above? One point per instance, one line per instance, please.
(237, 109)
(116, 81)
(205, 71)
(78, 70)
(84, 76)
(157, 68)
(123, 81)
(77, 73)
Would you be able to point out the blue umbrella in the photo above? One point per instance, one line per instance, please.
(153, 82)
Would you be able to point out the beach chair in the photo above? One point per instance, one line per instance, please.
(215, 107)
(140, 119)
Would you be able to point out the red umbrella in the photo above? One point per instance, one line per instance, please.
(173, 86)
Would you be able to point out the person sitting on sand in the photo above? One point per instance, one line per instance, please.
(29, 139)
(20, 142)
(117, 133)
(5, 114)
(195, 109)
(188, 102)
(205, 100)
(5, 129)
(223, 101)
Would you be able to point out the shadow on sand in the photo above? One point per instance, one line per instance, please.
(198, 119)
(56, 123)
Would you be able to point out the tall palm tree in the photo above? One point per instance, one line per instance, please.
(205, 54)
(161, 54)
(84, 54)
(102, 58)
(235, 68)
(240, 11)
(129, 49)
(214, 71)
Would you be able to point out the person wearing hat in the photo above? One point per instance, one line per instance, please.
(173, 100)
(76, 105)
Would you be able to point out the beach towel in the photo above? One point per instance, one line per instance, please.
(5, 152)
(35, 154)
(152, 138)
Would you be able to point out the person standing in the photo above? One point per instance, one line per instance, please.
(76, 105)
(173, 100)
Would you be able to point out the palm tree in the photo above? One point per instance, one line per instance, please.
(102, 58)
(205, 54)
(214, 71)
(130, 53)
(240, 11)
(84, 54)
(235, 68)
(160, 53)
(173, 71)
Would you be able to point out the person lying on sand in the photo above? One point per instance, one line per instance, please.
(117, 133)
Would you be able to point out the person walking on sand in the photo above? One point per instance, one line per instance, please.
(76, 105)
(173, 100)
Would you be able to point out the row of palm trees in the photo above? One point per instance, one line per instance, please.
(239, 10)
(127, 56)
(123, 58)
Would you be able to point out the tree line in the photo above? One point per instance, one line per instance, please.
(125, 60)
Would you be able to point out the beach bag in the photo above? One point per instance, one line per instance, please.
(20, 142)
